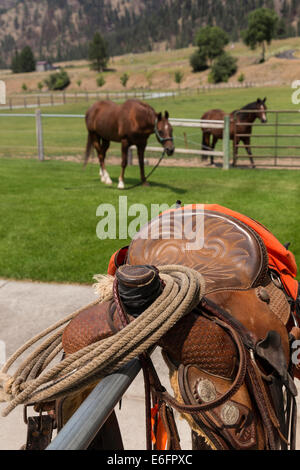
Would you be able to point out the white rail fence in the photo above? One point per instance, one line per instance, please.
(187, 123)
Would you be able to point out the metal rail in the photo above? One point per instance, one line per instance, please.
(84, 424)
(189, 123)
(280, 128)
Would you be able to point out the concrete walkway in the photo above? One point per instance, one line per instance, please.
(27, 308)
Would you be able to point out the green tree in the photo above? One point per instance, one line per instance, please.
(100, 81)
(262, 25)
(27, 60)
(198, 61)
(98, 53)
(223, 68)
(211, 42)
(24, 61)
(40, 86)
(124, 79)
(178, 77)
(15, 63)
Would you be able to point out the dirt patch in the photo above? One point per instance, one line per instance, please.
(150, 162)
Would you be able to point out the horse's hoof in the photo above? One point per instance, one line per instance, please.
(108, 181)
(145, 183)
(121, 185)
(253, 166)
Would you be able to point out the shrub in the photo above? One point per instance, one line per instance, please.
(223, 68)
(124, 79)
(178, 77)
(198, 61)
(58, 81)
(100, 80)
(241, 78)
(24, 87)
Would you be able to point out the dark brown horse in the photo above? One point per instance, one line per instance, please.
(131, 124)
(240, 123)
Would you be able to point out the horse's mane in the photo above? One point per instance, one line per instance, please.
(250, 106)
(147, 107)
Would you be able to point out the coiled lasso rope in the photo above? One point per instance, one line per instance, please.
(31, 383)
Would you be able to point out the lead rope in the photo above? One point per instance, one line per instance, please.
(183, 291)
(148, 176)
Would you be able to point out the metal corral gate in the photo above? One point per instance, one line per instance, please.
(189, 123)
(271, 144)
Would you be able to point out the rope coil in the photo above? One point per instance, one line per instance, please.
(32, 383)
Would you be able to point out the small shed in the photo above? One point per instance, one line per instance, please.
(43, 66)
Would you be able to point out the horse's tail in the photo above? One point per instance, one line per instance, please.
(88, 149)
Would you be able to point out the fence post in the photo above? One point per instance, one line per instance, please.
(226, 143)
(276, 140)
(39, 134)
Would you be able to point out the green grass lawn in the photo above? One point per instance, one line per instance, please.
(68, 136)
(48, 233)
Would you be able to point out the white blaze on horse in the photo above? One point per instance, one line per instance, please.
(241, 122)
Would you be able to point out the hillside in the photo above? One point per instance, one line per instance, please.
(155, 70)
(60, 29)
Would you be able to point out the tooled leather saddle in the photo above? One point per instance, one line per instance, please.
(230, 358)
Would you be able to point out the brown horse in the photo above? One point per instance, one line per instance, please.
(241, 122)
(131, 124)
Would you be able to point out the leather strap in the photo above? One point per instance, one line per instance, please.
(167, 416)
(39, 432)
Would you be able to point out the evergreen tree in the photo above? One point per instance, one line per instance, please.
(15, 63)
(23, 62)
(98, 53)
(27, 60)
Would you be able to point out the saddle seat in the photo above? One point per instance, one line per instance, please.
(228, 253)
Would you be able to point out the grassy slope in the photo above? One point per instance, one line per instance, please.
(48, 233)
(156, 70)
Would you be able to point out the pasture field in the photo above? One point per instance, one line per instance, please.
(48, 232)
(67, 137)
